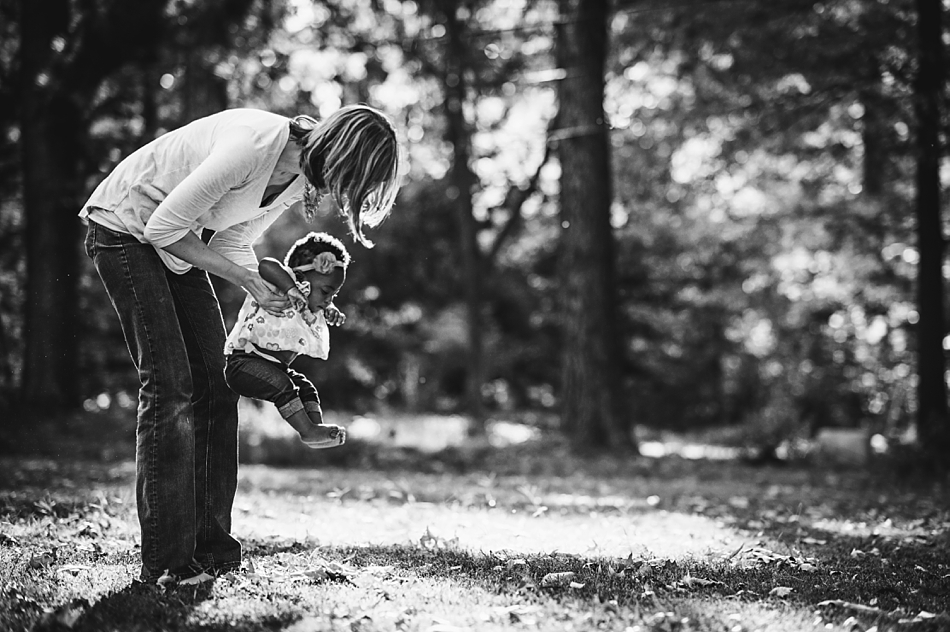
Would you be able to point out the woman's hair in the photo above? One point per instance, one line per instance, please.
(310, 245)
(355, 155)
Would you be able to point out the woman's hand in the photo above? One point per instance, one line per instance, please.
(266, 295)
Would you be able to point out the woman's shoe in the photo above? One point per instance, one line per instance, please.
(190, 575)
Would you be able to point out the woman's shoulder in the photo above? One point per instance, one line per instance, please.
(248, 134)
(261, 122)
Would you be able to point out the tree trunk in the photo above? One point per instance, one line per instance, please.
(50, 123)
(591, 410)
(932, 421)
(463, 181)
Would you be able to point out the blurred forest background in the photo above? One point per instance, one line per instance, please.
(677, 215)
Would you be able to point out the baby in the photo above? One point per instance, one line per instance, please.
(261, 346)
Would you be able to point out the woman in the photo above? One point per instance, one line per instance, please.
(234, 173)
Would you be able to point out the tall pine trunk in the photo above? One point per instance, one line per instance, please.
(591, 411)
(51, 124)
(932, 419)
(463, 180)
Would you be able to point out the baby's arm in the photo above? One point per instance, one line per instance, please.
(272, 272)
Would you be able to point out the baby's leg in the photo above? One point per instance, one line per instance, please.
(252, 376)
(318, 434)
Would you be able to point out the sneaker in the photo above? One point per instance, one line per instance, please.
(221, 570)
(190, 575)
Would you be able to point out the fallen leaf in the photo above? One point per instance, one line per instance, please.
(557, 579)
(66, 615)
(739, 502)
(736, 552)
(8, 540)
(516, 563)
(519, 613)
(73, 568)
(384, 572)
(434, 542)
(851, 606)
(692, 582)
(442, 626)
(44, 560)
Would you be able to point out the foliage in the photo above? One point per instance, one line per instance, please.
(770, 276)
(762, 171)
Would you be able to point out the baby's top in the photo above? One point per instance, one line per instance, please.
(287, 332)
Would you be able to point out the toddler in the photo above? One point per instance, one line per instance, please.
(261, 347)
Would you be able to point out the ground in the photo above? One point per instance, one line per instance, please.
(523, 537)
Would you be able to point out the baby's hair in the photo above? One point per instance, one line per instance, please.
(355, 155)
(310, 245)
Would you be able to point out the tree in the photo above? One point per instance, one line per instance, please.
(591, 404)
(66, 55)
(463, 182)
(932, 420)
(63, 59)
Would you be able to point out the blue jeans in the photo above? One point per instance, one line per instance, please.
(186, 451)
(253, 376)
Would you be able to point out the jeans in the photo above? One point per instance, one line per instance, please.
(253, 376)
(186, 433)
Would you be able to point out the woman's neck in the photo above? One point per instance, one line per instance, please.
(288, 164)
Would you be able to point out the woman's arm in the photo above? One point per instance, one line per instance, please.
(191, 249)
(229, 165)
(235, 243)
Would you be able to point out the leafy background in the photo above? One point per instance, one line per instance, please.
(763, 184)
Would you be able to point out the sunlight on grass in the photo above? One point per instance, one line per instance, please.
(381, 522)
(363, 550)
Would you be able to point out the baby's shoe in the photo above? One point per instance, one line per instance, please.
(324, 436)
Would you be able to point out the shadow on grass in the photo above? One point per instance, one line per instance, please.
(136, 607)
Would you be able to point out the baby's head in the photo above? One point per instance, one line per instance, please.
(321, 260)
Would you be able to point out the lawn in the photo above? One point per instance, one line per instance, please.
(523, 537)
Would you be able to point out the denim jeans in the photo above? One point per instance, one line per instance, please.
(186, 433)
(253, 376)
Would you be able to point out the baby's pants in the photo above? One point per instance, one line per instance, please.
(253, 376)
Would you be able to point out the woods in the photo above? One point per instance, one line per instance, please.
(616, 215)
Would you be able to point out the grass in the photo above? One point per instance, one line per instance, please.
(529, 537)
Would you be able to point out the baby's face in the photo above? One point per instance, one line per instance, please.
(324, 287)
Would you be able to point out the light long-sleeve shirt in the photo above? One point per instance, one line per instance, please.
(210, 173)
